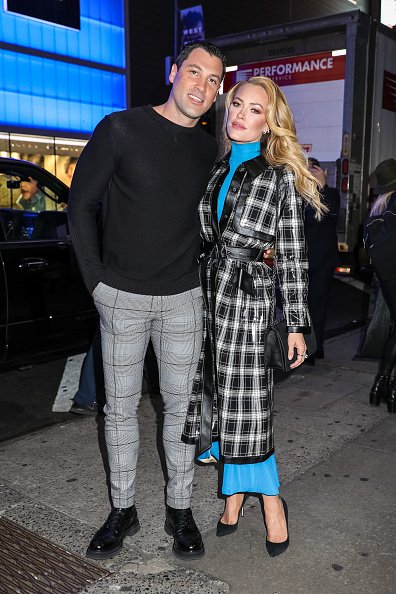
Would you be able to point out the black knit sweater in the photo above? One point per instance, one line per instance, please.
(146, 176)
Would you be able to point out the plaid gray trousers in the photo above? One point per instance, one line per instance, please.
(174, 324)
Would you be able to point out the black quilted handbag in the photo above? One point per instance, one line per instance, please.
(276, 346)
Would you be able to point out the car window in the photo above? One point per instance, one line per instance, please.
(29, 211)
(25, 193)
(8, 195)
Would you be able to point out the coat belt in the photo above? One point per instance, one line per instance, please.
(235, 253)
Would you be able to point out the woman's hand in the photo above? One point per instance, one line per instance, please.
(295, 340)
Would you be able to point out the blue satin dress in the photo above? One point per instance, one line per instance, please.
(261, 477)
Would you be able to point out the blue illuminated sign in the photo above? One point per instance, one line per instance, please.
(70, 93)
(61, 12)
(100, 39)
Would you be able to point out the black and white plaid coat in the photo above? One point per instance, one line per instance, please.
(232, 397)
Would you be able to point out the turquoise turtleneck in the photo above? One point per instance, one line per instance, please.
(239, 154)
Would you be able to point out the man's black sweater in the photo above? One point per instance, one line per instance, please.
(146, 175)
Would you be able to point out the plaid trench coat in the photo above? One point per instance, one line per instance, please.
(232, 396)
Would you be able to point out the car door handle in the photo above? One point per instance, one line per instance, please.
(32, 265)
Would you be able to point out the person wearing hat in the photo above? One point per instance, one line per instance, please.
(380, 244)
(322, 246)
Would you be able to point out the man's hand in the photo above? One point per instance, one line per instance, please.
(295, 340)
(319, 174)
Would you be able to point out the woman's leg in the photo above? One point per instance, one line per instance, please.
(388, 359)
(275, 519)
(232, 508)
(381, 388)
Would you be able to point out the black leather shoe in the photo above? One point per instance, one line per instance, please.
(107, 542)
(90, 410)
(187, 542)
(391, 400)
(380, 390)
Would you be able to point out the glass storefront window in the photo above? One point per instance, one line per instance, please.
(46, 151)
(57, 155)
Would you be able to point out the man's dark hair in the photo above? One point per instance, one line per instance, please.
(313, 162)
(210, 48)
(69, 161)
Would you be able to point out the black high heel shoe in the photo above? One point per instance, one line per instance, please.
(226, 529)
(277, 548)
(391, 400)
(380, 390)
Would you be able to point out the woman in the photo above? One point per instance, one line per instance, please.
(232, 401)
(380, 242)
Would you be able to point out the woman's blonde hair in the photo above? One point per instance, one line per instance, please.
(282, 147)
(381, 204)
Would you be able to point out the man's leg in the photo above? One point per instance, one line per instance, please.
(125, 321)
(177, 341)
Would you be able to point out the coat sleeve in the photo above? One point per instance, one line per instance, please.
(291, 258)
(91, 179)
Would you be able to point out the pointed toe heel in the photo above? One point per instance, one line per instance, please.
(227, 529)
(274, 549)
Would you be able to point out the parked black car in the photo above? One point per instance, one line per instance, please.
(45, 309)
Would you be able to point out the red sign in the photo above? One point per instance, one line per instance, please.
(307, 148)
(389, 91)
(298, 70)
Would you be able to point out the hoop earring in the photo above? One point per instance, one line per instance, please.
(266, 131)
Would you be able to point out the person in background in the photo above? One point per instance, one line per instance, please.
(380, 243)
(90, 396)
(69, 166)
(322, 249)
(31, 197)
(254, 201)
(146, 168)
(91, 386)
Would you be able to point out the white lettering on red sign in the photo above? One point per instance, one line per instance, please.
(291, 68)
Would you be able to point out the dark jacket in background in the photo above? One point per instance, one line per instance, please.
(321, 236)
(322, 251)
(380, 243)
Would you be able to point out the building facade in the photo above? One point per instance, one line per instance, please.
(63, 67)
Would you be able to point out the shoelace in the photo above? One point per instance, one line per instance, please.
(184, 519)
(115, 518)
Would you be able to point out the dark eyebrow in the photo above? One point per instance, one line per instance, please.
(199, 68)
(242, 101)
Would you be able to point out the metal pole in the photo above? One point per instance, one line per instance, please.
(176, 28)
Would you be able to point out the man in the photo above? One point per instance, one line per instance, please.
(147, 168)
(69, 167)
(31, 197)
(322, 252)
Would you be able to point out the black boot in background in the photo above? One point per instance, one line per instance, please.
(380, 390)
(391, 400)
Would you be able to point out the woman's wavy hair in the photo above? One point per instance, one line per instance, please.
(280, 146)
(381, 203)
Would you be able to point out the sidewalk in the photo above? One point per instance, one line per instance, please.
(336, 457)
